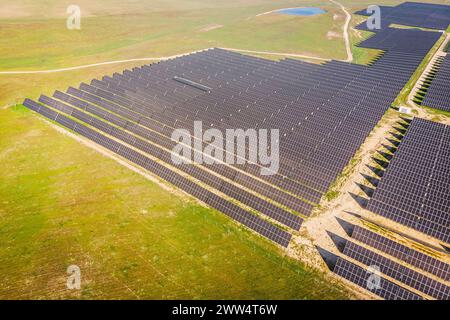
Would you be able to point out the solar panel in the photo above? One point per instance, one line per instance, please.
(438, 92)
(192, 84)
(424, 15)
(359, 276)
(398, 272)
(251, 221)
(402, 252)
(414, 189)
(229, 189)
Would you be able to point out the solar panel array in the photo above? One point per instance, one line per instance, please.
(410, 256)
(252, 221)
(360, 276)
(415, 187)
(438, 93)
(397, 271)
(413, 273)
(402, 40)
(423, 15)
(323, 112)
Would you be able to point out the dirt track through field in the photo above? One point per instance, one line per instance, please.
(346, 27)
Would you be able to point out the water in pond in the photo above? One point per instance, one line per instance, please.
(311, 11)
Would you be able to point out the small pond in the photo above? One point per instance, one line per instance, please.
(310, 11)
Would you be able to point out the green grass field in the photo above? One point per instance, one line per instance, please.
(62, 203)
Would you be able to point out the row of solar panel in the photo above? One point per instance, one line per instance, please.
(424, 15)
(252, 221)
(438, 93)
(319, 172)
(397, 271)
(165, 155)
(430, 280)
(402, 252)
(383, 288)
(166, 131)
(402, 40)
(84, 88)
(413, 190)
(407, 219)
